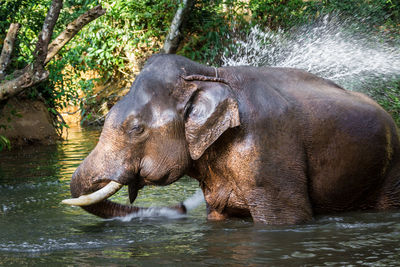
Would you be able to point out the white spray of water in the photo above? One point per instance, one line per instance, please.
(152, 213)
(194, 201)
(331, 48)
(155, 212)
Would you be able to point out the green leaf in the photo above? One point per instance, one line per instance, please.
(4, 142)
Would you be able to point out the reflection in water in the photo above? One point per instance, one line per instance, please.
(35, 229)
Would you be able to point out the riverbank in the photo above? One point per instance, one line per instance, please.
(26, 121)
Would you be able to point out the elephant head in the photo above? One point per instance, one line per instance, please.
(173, 112)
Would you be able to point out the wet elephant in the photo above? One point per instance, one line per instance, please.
(278, 145)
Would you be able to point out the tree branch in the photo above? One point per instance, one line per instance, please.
(35, 72)
(8, 47)
(174, 35)
(44, 37)
(72, 29)
(20, 83)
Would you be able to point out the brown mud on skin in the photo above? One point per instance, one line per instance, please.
(33, 123)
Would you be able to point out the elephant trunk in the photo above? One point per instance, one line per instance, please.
(97, 204)
(107, 209)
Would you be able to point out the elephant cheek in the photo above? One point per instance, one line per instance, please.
(146, 166)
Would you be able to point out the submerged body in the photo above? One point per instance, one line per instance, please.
(276, 144)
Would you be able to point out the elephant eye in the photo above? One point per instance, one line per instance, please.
(137, 129)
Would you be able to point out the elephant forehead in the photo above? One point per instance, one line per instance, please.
(131, 106)
(148, 94)
(162, 117)
(140, 99)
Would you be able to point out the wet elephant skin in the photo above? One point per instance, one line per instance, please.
(278, 145)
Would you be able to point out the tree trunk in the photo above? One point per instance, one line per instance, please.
(44, 37)
(8, 47)
(174, 36)
(34, 73)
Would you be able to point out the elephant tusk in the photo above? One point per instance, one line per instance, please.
(110, 189)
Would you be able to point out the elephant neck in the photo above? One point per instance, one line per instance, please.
(216, 187)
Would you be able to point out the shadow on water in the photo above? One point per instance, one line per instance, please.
(35, 229)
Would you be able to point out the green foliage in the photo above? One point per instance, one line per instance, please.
(392, 8)
(4, 143)
(127, 25)
(31, 16)
(207, 29)
(280, 13)
(389, 98)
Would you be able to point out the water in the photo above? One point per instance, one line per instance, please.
(35, 229)
(343, 50)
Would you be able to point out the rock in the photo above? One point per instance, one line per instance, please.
(27, 121)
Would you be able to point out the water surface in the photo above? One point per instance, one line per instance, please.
(35, 229)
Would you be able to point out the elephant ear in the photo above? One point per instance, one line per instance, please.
(211, 110)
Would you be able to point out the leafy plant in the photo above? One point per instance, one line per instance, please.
(4, 143)
(389, 98)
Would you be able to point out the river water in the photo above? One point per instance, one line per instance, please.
(35, 229)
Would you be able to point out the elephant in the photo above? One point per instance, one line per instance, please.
(275, 145)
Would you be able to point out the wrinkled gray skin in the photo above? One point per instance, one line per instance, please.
(276, 144)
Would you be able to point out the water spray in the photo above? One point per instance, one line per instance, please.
(339, 50)
(190, 203)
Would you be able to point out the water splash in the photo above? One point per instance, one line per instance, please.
(336, 49)
(166, 213)
(152, 213)
(194, 201)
